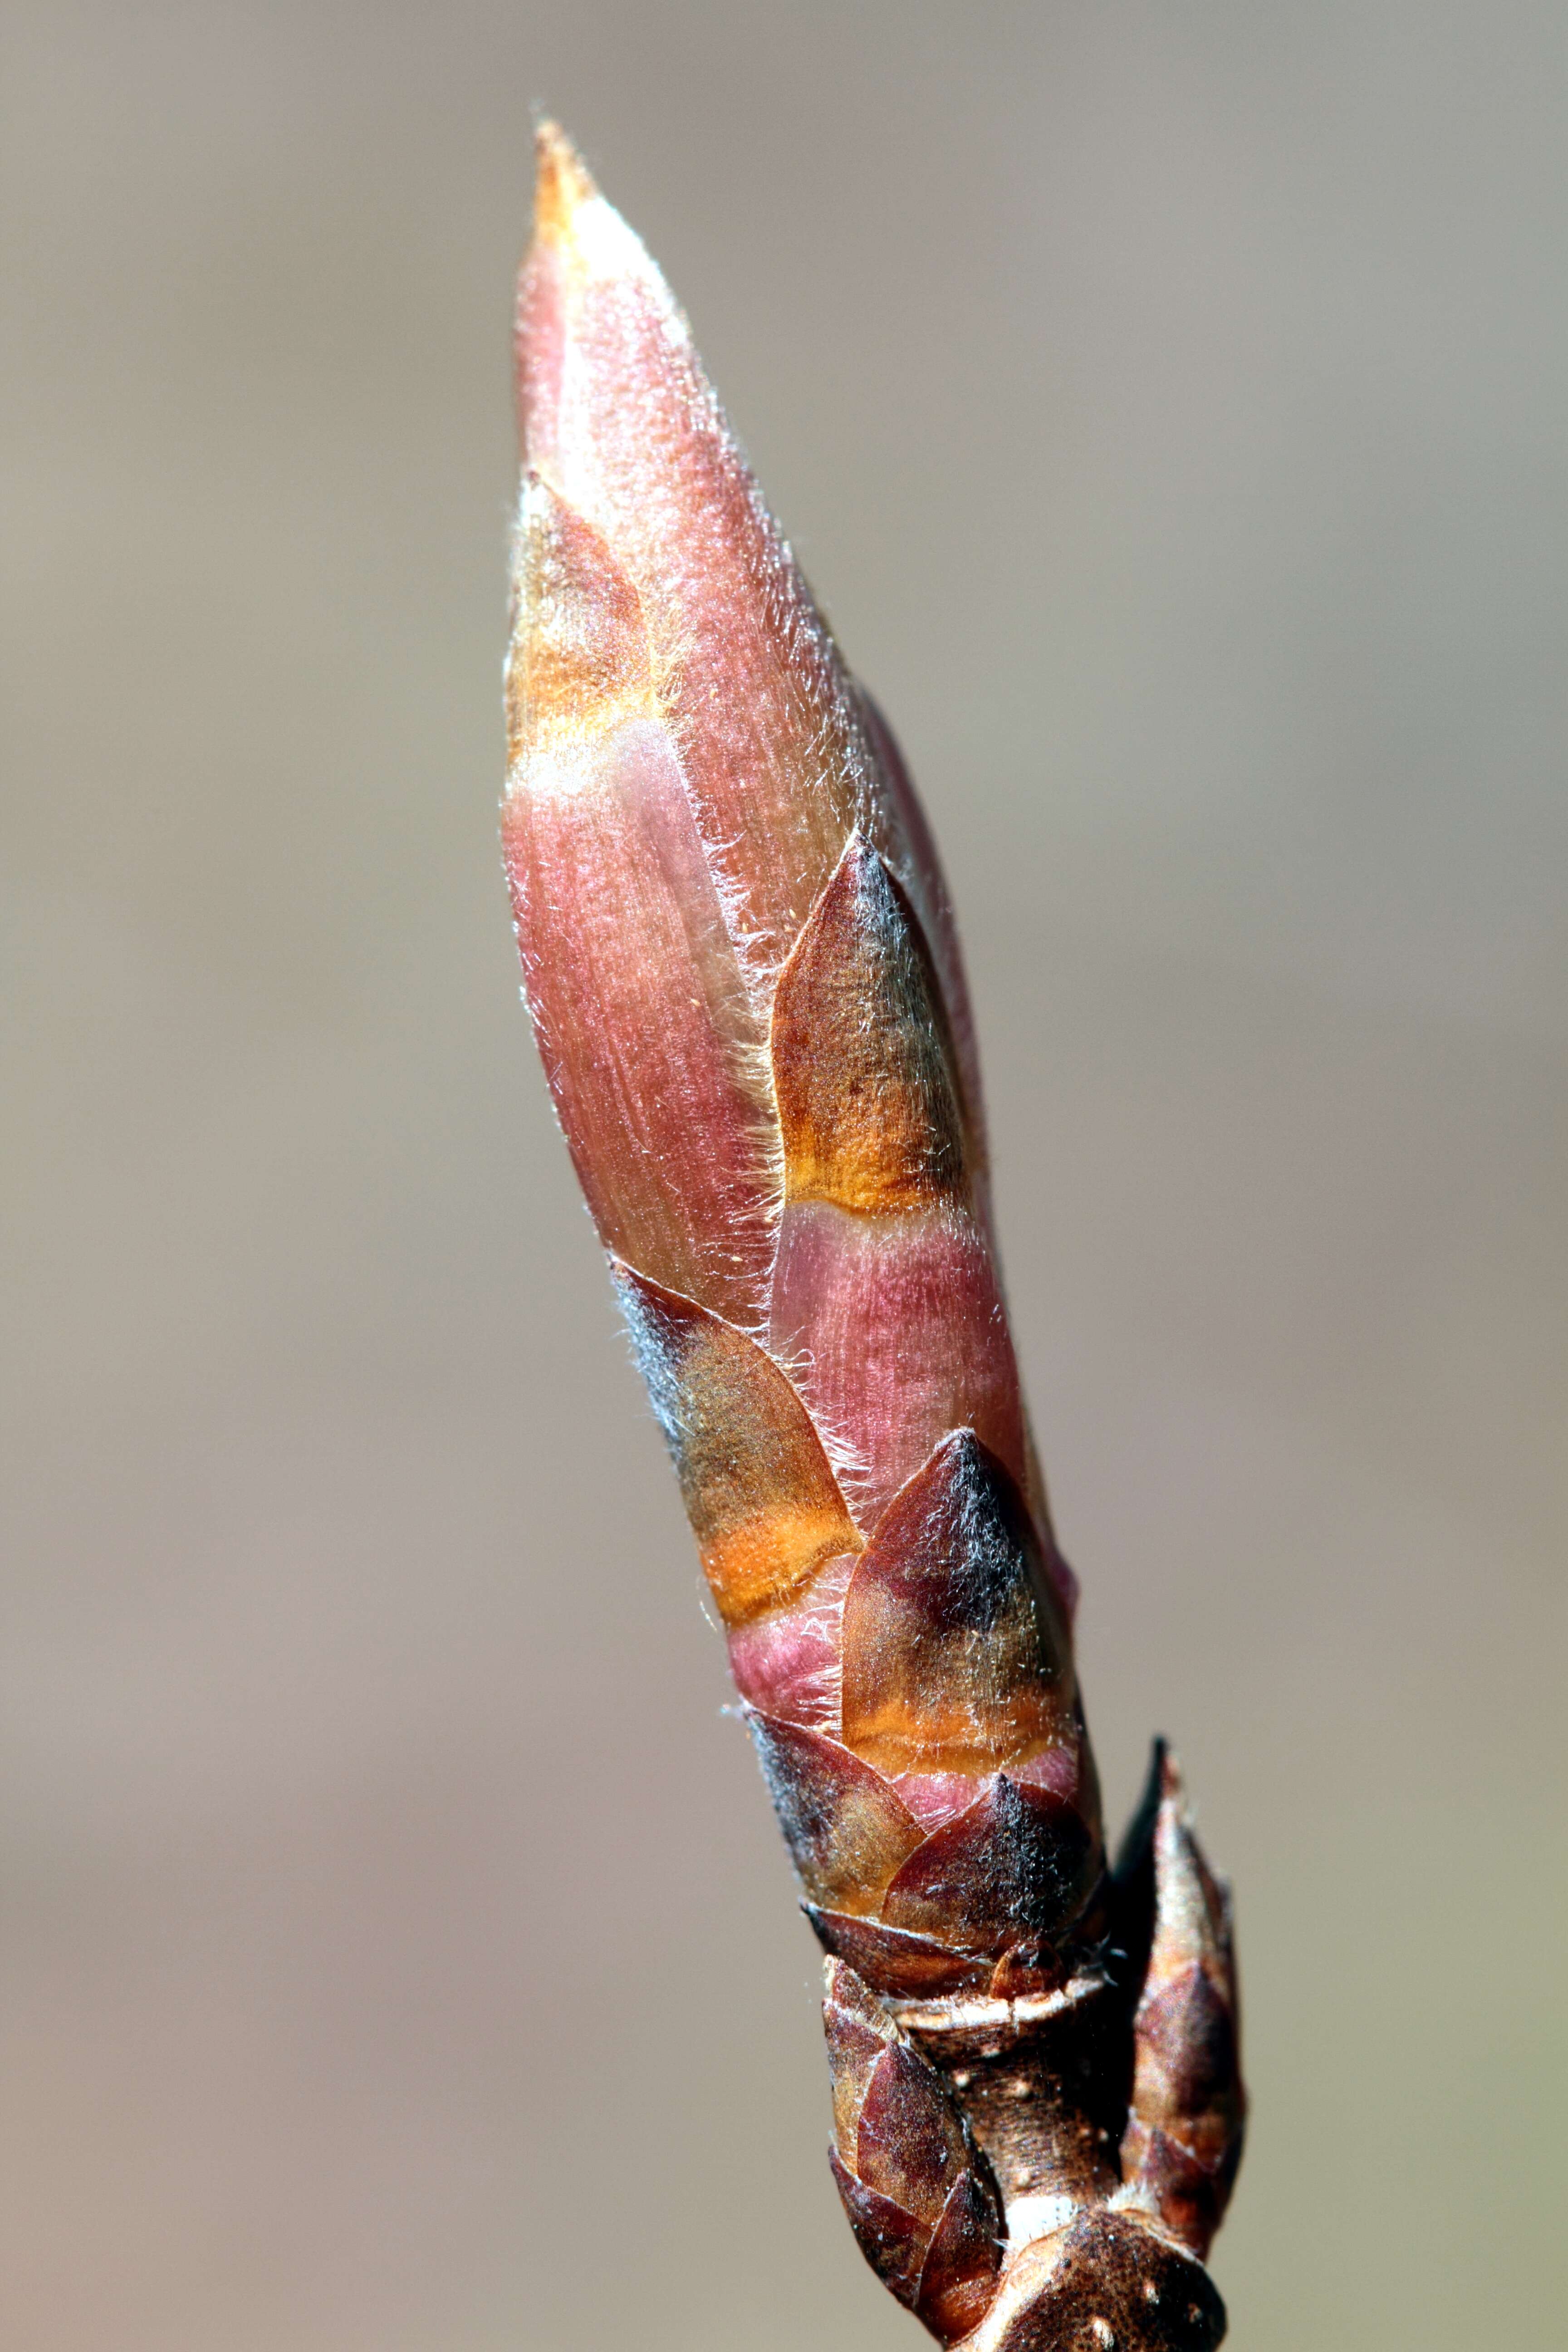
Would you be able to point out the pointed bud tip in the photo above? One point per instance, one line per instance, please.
(563, 185)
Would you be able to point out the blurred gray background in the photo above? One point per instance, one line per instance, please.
(1169, 403)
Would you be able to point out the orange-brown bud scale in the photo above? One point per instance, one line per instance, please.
(758, 1486)
(863, 1074)
(741, 966)
(956, 1656)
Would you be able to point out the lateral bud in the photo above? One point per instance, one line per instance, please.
(1185, 2131)
(919, 2194)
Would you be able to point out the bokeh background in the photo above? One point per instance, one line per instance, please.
(1169, 403)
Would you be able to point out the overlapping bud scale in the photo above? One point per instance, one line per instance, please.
(740, 964)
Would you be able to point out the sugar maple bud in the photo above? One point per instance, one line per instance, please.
(741, 966)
